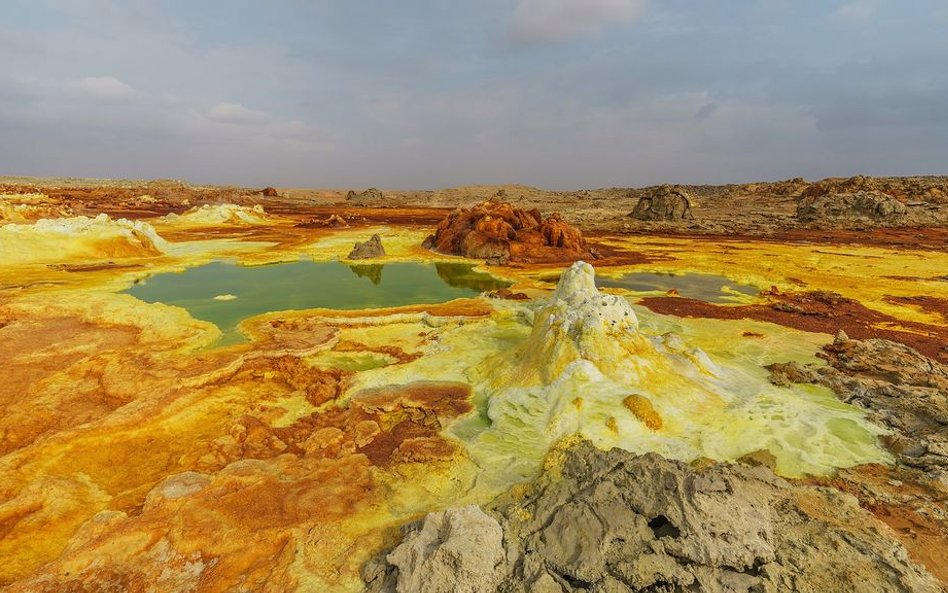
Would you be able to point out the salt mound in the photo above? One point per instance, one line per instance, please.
(215, 214)
(79, 237)
(587, 369)
(581, 324)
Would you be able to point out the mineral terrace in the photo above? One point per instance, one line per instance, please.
(678, 388)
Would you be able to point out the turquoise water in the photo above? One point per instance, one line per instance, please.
(306, 285)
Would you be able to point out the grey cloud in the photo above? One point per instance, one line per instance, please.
(925, 109)
(104, 88)
(235, 113)
(706, 110)
(546, 21)
(422, 93)
(857, 10)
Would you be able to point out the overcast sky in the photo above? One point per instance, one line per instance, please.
(422, 94)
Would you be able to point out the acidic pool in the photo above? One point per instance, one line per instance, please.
(705, 287)
(225, 293)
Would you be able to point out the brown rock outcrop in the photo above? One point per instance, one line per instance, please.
(370, 195)
(929, 189)
(269, 192)
(500, 232)
(367, 249)
(616, 521)
(863, 205)
(664, 203)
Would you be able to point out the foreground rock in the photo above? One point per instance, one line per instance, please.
(499, 232)
(902, 389)
(368, 249)
(452, 551)
(664, 203)
(614, 521)
(872, 206)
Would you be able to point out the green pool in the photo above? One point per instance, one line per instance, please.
(225, 293)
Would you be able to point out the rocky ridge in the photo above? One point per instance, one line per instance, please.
(864, 205)
(614, 521)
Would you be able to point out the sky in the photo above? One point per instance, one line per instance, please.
(560, 94)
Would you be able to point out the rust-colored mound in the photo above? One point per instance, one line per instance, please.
(499, 231)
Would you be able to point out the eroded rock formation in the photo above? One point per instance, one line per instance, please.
(498, 231)
(370, 195)
(368, 249)
(864, 205)
(931, 189)
(614, 521)
(664, 203)
(457, 550)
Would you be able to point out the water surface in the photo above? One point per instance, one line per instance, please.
(706, 287)
(225, 293)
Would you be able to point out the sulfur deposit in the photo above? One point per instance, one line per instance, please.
(80, 237)
(583, 354)
(219, 214)
(566, 439)
(21, 208)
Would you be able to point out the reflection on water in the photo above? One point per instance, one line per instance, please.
(225, 293)
(705, 287)
(371, 271)
(465, 276)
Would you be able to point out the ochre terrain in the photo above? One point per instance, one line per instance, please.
(140, 455)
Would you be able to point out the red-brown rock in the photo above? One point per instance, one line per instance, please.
(499, 231)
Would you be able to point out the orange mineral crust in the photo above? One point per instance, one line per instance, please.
(144, 448)
(131, 464)
(504, 232)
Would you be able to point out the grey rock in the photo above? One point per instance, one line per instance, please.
(368, 249)
(614, 521)
(863, 205)
(452, 551)
(370, 195)
(664, 203)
